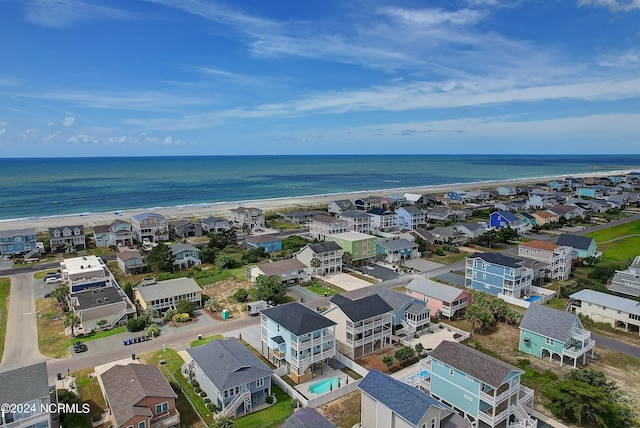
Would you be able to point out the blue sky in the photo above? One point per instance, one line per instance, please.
(188, 77)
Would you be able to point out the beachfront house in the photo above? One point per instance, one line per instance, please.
(627, 281)
(367, 203)
(363, 326)
(383, 220)
(234, 379)
(388, 402)
(269, 242)
(483, 389)
(506, 190)
(291, 271)
(185, 256)
(557, 259)
(359, 221)
(299, 338)
(394, 250)
(138, 395)
(85, 272)
(498, 274)
(410, 217)
(27, 390)
(410, 315)
(118, 233)
(185, 228)
(547, 331)
(341, 205)
(321, 258)
(301, 217)
(214, 224)
(321, 226)
(252, 218)
(18, 242)
(151, 227)
(67, 238)
(583, 246)
(606, 308)
(100, 308)
(165, 295)
(361, 247)
(131, 262)
(443, 301)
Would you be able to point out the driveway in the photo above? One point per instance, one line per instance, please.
(614, 345)
(302, 293)
(377, 271)
(451, 278)
(422, 265)
(345, 281)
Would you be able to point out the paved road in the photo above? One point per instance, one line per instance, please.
(21, 341)
(615, 345)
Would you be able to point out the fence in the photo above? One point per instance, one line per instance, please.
(351, 364)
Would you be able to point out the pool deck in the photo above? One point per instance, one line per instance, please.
(303, 388)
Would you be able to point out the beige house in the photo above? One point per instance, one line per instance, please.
(101, 308)
(556, 258)
(151, 227)
(328, 255)
(321, 226)
(544, 217)
(292, 271)
(607, 308)
(165, 295)
(252, 217)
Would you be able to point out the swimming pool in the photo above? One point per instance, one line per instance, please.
(418, 376)
(532, 299)
(324, 385)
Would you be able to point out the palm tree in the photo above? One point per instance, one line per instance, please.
(473, 315)
(225, 422)
(315, 263)
(347, 258)
(72, 320)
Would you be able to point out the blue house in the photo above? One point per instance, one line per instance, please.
(185, 255)
(483, 389)
(410, 315)
(234, 379)
(496, 273)
(502, 219)
(298, 338)
(17, 242)
(410, 217)
(394, 250)
(269, 242)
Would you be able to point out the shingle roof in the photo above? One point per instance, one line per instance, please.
(261, 239)
(297, 319)
(126, 386)
(548, 322)
(129, 254)
(178, 248)
(24, 384)
(344, 204)
(610, 301)
(562, 209)
(440, 210)
(398, 244)
(324, 247)
(473, 227)
(380, 211)
(393, 298)
(325, 219)
(168, 288)
(474, 363)
(498, 259)
(307, 418)
(281, 266)
(411, 209)
(17, 232)
(545, 214)
(406, 401)
(228, 363)
(434, 289)
(212, 220)
(353, 214)
(540, 245)
(364, 308)
(508, 215)
(574, 241)
(339, 299)
(144, 216)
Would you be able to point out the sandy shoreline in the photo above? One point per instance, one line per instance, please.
(293, 203)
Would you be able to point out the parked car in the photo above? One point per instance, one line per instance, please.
(53, 275)
(53, 280)
(79, 347)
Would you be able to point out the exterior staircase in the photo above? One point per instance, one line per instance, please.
(523, 418)
(244, 397)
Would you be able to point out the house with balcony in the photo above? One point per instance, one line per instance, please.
(471, 230)
(18, 242)
(138, 395)
(506, 190)
(447, 235)
(328, 255)
(383, 220)
(28, 388)
(388, 402)
(498, 274)
(186, 228)
(269, 242)
(545, 217)
(299, 338)
(545, 331)
(118, 233)
(150, 226)
(321, 226)
(361, 247)
(101, 308)
(165, 295)
(85, 272)
(527, 219)
(583, 246)
(394, 250)
(341, 205)
(214, 224)
(443, 301)
(131, 262)
(359, 221)
(367, 203)
(397, 199)
(590, 192)
(67, 238)
(557, 259)
(627, 282)
(482, 389)
(619, 312)
(291, 271)
(568, 212)
(301, 217)
(502, 219)
(540, 199)
(363, 326)
(185, 256)
(235, 380)
(410, 217)
(253, 218)
(409, 316)
(440, 213)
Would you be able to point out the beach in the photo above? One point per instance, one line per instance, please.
(299, 203)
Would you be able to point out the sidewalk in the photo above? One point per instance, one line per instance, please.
(547, 420)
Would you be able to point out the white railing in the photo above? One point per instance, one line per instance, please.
(523, 418)
(526, 394)
(494, 420)
(581, 335)
(490, 399)
(168, 420)
(230, 408)
(578, 352)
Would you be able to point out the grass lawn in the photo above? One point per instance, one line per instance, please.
(448, 258)
(90, 392)
(281, 225)
(271, 416)
(5, 288)
(620, 250)
(205, 340)
(321, 291)
(632, 228)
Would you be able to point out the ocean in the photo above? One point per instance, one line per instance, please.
(63, 186)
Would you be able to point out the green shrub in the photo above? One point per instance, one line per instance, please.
(197, 389)
(153, 330)
(195, 383)
(241, 295)
(168, 316)
(212, 408)
(203, 394)
(269, 399)
(439, 252)
(136, 324)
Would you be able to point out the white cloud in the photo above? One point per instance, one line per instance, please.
(83, 138)
(625, 60)
(3, 131)
(433, 17)
(61, 13)
(3, 123)
(68, 121)
(614, 6)
(51, 136)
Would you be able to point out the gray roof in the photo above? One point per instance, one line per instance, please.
(344, 204)
(434, 289)
(307, 418)
(17, 232)
(297, 319)
(398, 244)
(324, 247)
(213, 220)
(52, 231)
(406, 401)
(168, 288)
(24, 384)
(281, 266)
(228, 363)
(325, 219)
(548, 322)
(145, 216)
(94, 298)
(410, 209)
(364, 308)
(629, 290)
(508, 215)
(498, 259)
(393, 298)
(487, 369)
(178, 248)
(610, 301)
(574, 241)
(354, 214)
(473, 227)
(416, 308)
(440, 209)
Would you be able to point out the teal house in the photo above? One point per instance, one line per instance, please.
(547, 332)
(185, 256)
(583, 246)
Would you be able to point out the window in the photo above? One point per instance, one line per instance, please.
(259, 383)
(474, 275)
(162, 407)
(484, 276)
(487, 286)
(549, 342)
(142, 424)
(440, 364)
(433, 423)
(468, 397)
(451, 372)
